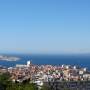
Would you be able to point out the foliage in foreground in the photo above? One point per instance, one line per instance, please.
(5, 84)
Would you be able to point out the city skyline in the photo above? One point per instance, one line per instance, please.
(45, 26)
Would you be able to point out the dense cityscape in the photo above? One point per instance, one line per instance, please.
(48, 74)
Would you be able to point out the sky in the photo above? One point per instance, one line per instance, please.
(45, 26)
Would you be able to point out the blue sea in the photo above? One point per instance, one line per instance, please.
(82, 60)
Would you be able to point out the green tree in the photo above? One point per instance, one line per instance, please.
(4, 80)
(6, 84)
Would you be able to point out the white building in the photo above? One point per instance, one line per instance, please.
(21, 65)
(28, 63)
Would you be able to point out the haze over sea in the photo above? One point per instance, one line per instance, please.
(46, 26)
(82, 60)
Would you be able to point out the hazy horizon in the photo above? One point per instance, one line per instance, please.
(45, 26)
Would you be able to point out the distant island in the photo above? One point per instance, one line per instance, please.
(9, 58)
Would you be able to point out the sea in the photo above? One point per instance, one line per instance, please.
(82, 60)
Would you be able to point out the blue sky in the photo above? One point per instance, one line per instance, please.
(45, 26)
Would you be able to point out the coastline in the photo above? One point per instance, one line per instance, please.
(8, 58)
